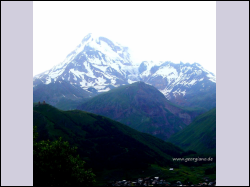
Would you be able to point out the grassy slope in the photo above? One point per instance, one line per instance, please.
(102, 142)
(200, 135)
(139, 106)
(113, 150)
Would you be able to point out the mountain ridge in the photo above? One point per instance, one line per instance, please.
(142, 107)
(98, 65)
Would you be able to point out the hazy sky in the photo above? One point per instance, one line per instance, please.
(168, 31)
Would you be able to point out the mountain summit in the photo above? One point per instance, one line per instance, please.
(99, 65)
(96, 62)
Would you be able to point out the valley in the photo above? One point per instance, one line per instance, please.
(128, 120)
(115, 151)
(141, 107)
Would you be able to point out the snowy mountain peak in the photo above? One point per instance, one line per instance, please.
(90, 37)
(99, 64)
(96, 62)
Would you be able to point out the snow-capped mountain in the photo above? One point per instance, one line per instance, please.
(98, 65)
(181, 83)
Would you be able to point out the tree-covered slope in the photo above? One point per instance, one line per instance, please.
(102, 142)
(142, 107)
(200, 135)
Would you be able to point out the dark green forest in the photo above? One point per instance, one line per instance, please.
(102, 149)
(57, 160)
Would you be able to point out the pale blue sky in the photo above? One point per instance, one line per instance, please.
(168, 31)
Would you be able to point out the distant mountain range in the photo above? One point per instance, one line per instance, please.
(199, 136)
(98, 65)
(142, 107)
(188, 85)
(61, 94)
